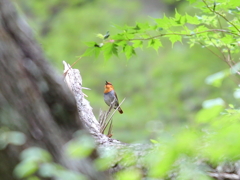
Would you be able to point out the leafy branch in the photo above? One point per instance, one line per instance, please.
(213, 10)
(182, 34)
(201, 29)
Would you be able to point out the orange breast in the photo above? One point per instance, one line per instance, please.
(108, 88)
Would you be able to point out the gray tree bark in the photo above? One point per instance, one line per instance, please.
(33, 99)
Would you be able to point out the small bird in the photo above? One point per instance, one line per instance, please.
(110, 96)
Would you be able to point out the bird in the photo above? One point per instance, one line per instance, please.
(110, 96)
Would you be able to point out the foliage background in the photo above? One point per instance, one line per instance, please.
(163, 90)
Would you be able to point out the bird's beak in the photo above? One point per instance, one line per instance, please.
(106, 82)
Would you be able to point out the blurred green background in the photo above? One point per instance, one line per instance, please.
(163, 89)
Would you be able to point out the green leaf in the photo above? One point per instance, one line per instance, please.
(129, 174)
(231, 106)
(118, 37)
(129, 51)
(109, 49)
(16, 138)
(206, 115)
(47, 170)
(175, 38)
(11, 137)
(137, 43)
(187, 141)
(121, 43)
(217, 78)
(143, 26)
(179, 19)
(36, 154)
(177, 15)
(33, 178)
(163, 22)
(101, 36)
(25, 169)
(227, 39)
(71, 175)
(201, 28)
(107, 157)
(166, 162)
(80, 147)
(154, 141)
(155, 43)
(192, 19)
(92, 51)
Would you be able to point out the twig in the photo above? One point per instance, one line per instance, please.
(212, 51)
(112, 115)
(220, 15)
(104, 118)
(109, 134)
(181, 34)
(66, 71)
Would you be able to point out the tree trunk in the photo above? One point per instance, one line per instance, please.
(33, 98)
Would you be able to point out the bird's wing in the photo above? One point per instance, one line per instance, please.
(116, 96)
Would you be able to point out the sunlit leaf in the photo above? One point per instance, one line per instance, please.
(155, 43)
(206, 115)
(109, 49)
(143, 26)
(192, 19)
(129, 174)
(137, 43)
(101, 36)
(166, 162)
(175, 38)
(129, 51)
(217, 78)
(80, 147)
(163, 22)
(16, 138)
(71, 175)
(154, 141)
(25, 169)
(36, 154)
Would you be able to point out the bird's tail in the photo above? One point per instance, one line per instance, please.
(120, 110)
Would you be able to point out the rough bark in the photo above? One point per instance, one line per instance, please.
(33, 98)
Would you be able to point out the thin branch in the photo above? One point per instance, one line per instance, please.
(103, 119)
(224, 57)
(109, 119)
(181, 34)
(212, 51)
(220, 15)
(66, 71)
(109, 134)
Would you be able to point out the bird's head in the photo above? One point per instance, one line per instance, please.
(108, 83)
